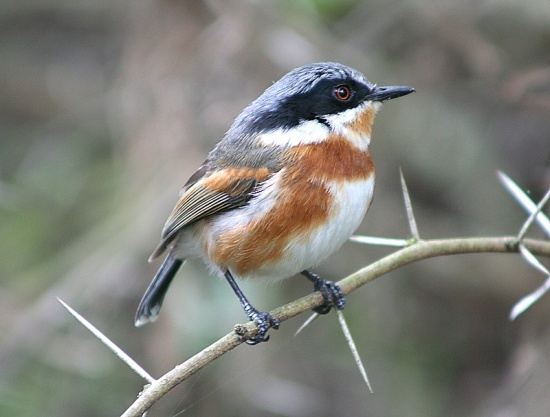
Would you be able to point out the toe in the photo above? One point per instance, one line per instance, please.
(264, 321)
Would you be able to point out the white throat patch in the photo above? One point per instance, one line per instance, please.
(307, 132)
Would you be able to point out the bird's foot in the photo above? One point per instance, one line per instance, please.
(263, 321)
(332, 294)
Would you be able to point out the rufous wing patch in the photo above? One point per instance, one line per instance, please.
(219, 191)
(227, 179)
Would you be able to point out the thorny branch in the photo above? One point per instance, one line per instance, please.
(415, 252)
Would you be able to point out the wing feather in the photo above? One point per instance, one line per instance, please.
(207, 197)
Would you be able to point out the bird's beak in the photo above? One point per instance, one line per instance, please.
(388, 92)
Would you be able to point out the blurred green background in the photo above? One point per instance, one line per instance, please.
(106, 107)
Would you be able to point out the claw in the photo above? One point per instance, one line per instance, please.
(332, 294)
(264, 321)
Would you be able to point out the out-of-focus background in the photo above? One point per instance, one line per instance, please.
(106, 107)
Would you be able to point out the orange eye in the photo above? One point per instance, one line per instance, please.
(342, 92)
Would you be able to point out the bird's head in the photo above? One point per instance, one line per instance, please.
(313, 101)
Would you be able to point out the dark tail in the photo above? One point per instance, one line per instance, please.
(149, 306)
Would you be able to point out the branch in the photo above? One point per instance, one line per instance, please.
(417, 251)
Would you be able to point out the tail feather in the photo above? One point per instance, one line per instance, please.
(149, 306)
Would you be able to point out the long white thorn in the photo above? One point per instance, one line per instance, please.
(380, 241)
(107, 342)
(408, 207)
(529, 299)
(532, 260)
(353, 348)
(533, 215)
(524, 303)
(310, 320)
(525, 201)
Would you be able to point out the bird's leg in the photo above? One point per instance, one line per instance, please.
(262, 319)
(331, 292)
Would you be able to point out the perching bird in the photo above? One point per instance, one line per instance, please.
(287, 185)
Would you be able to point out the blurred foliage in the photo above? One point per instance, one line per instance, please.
(106, 109)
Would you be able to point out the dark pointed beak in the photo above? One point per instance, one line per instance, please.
(388, 92)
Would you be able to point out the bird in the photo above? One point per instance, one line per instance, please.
(286, 186)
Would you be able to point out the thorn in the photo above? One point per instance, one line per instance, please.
(353, 348)
(529, 300)
(523, 304)
(408, 207)
(380, 241)
(114, 348)
(532, 260)
(525, 201)
(306, 323)
(533, 215)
